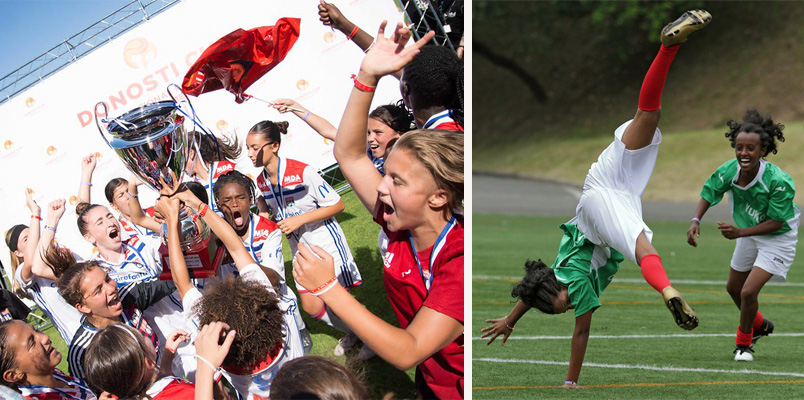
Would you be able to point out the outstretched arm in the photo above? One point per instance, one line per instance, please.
(87, 168)
(319, 124)
(504, 326)
(695, 224)
(386, 56)
(169, 208)
(580, 337)
(33, 238)
(55, 210)
(290, 224)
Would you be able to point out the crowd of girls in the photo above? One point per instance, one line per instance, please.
(241, 333)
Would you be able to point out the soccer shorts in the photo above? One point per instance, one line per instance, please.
(610, 209)
(773, 254)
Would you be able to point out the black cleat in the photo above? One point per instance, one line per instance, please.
(764, 330)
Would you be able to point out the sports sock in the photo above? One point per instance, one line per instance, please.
(758, 320)
(653, 272)
(651, 93)
(332, 320)
(744, 338)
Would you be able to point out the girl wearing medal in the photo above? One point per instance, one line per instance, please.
(28, 362)
(414, 204)
(766, 218)
(304, 207)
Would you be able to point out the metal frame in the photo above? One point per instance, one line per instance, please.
(79, 45)
(422, 14)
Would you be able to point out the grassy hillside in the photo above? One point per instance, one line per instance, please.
(752, 55)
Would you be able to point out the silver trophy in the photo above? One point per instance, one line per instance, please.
(152, 142)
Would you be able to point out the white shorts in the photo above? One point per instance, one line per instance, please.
(609, 212)
(773, 254)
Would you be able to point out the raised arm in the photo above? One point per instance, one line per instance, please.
(33, 238)
(319, 124)
(87, 168)
(55, 210)
(169, 208)
(135, 209)
(386, 56)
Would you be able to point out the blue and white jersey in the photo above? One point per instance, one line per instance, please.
(378, 162)
(217, 169)
(46, 295)
(301, 189)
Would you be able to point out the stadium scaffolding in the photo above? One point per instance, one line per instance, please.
(79, 45)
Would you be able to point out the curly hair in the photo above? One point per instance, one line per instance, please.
(435, 78)
(237, 177)
(754, 122)
(315, 377)
(249, 308)
(538, 288)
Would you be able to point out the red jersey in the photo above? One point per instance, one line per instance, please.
(76, 390)
(170, 387)
(443, 371)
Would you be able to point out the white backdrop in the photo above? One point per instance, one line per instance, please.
(46, 130)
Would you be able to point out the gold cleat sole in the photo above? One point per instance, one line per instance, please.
(677, 31)
(683, 314)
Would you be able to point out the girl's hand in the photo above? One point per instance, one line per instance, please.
(729, 231)
(31, 203)
(88, 163)
(330, 15)
(289, 225)
(497, 328)
(168, 208)
(55, 210)
(312, 268)
(693, 232)
(287, 105)
(168, 189)
(189, 198)
(389, 55)
(206, 343)
(176, 338)
(134, 179)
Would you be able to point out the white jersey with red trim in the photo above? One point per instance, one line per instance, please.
(217, 169)
(46, 295)
(301, 189)
(130, 229)
(443, 120)
(256, 384)
(76, 390)
(141, 261)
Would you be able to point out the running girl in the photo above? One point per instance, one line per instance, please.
(761, 198)
(608, 224)
(304, 207)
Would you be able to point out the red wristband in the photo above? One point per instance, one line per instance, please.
(203, 210)
(327, 283)
(353, 33)
(360, 86)
(36, 217)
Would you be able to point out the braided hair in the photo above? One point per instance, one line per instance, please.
(435, 78)
(538, 288)
(753, 122)
(237, 177)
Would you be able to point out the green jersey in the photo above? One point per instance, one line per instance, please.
(768, 196)
(586, 269)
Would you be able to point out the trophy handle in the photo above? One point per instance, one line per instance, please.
(193, 116)
(98, 120)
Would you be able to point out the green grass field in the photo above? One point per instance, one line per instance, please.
(664, 361)
(361, 232)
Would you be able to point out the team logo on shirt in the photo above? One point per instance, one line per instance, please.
(406, 273)
(780, 189)
(223, 168)
(289, 179)
(386, 261)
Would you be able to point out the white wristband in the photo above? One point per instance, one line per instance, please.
(696, 219)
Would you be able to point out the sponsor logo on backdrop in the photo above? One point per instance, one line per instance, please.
(73, 200)
(328, 142)
(8, 145)
(139, 52)
(52, 150)
(30, 102)
(302, 84)
(329, 37)
(53, 154)
(32, 106)
(222, 125)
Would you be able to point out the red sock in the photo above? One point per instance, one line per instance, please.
(651, 93)
(744, 338)
(758, 320)
(653, 272)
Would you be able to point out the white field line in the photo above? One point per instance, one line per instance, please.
(643, 367)
(675, 335)
(675, 281)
